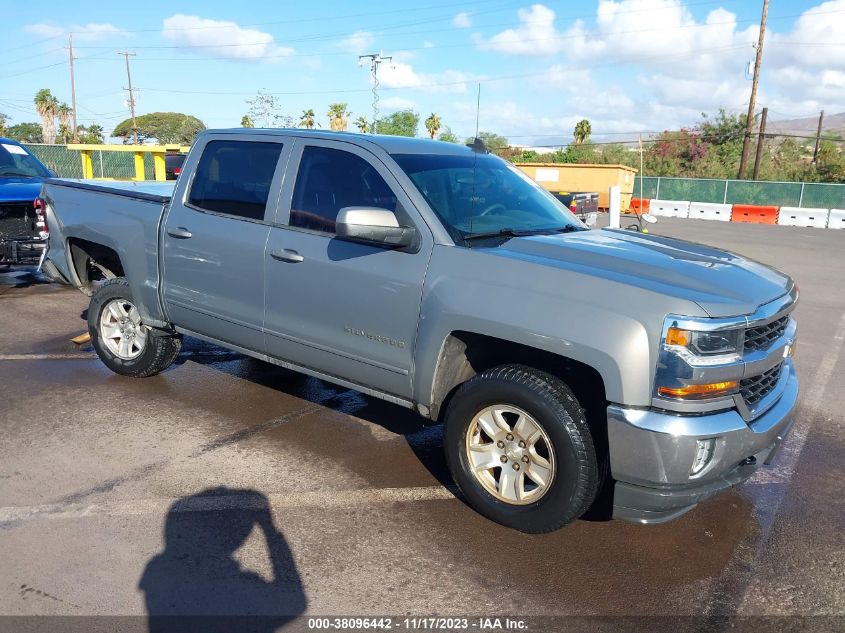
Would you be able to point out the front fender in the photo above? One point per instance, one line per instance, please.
(609, 326)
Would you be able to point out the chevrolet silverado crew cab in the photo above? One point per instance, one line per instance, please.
(563, 361)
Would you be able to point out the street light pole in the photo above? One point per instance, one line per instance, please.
(376, 59)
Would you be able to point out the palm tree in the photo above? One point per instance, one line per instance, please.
(307, 120)
(338, 116)
(47, 105)
(433, 124)
(362, 124)
(246, 121)
(64, 113)
(583, 129)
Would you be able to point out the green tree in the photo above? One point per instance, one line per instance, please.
(4, 120)
(338, 116)
(492, 140)
(93, 134)
(26, 132)
(164, 127)
(401, 123)
(583, 129)
(47, 106)
(308, 119)
(448, 136)
(266, 110)
(64, 113)
(433, 124)
(362, 124)
(246, 121)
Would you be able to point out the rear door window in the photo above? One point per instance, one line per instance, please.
(234, 177)
(331, 179)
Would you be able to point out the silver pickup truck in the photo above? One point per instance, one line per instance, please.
(567, 364)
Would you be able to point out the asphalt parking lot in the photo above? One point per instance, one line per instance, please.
(281, 494)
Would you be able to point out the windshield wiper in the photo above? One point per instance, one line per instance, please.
(499, 233)
(508, 232)
(17, 173)
(569, 228)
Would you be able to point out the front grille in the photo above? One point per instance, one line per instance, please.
(755, 389)
(762, 336)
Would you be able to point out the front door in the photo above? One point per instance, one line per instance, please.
(343, 308)
(214, 238)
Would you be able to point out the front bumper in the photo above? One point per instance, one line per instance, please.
(652, 452)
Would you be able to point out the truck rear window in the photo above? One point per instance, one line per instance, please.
(234, 177)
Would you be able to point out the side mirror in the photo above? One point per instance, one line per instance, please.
(373, 226)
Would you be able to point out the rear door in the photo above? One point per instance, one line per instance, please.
(215, 234)
(343, 308)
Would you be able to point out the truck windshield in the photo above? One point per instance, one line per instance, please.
(482, 195)
(15, 161)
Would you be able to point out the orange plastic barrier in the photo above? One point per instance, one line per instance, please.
(639, 205)
(754, 214)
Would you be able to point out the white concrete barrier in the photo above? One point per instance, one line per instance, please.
(710, 211)
(796, 216)
(670, 208)
(836, 220)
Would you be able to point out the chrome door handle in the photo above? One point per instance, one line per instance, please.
(180, 233)
(287, 255)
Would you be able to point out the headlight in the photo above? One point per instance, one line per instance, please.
(699, 359)
(703, 343)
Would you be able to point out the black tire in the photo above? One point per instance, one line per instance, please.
(553, 405)
(161, 347)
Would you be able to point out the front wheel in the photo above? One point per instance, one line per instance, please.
(121, 340)
(519, 448)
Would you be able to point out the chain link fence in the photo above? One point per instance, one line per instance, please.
(781, 194)
(67, 163)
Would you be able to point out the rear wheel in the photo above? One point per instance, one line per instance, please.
(520, 449)
(120, 338)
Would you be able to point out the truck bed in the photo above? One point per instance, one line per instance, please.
(143, 190)
(123, 216)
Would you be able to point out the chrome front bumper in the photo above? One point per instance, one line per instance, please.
(652, 453)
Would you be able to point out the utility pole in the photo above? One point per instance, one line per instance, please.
(749, 123)
(127, 55)
(376, 59)
(818, 136)
(72, 88)
(761, 139)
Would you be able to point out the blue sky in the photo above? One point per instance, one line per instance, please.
(627, 65)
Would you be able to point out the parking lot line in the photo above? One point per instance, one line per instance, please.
(133, 507)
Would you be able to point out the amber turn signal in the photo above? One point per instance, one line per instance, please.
(698, 391)
(679, 337)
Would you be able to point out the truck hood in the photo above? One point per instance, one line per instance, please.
(19, 189)
(722, 283)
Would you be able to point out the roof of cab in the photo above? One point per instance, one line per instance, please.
(390, 144)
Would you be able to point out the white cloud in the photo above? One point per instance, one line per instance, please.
(358, 43)
(428, 44)
(678, 65)
(535, 35)
(462, 20)
(222, 38)
(90, 32)
(402, 75)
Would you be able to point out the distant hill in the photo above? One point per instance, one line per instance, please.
(807, 126)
